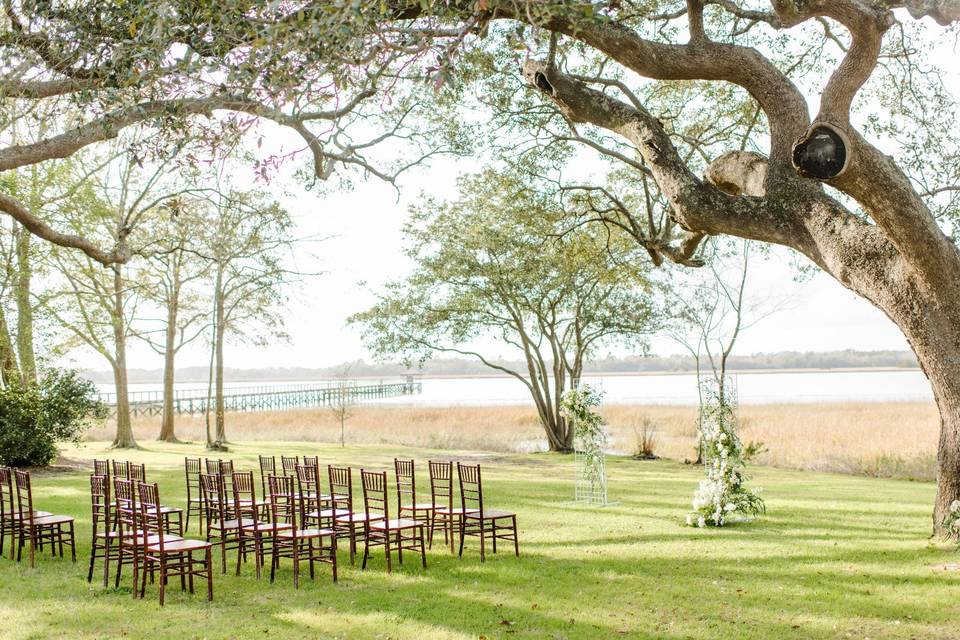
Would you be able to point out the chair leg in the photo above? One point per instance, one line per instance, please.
(386, 546)
(516, 541)
(106, 562)
(163, 578)
(209, 576)
(482, 541)
(493, 524)
(296, 564)
(366, 545)
(400, 546)
(423, 551)
(463, 526)
(93, 556)
(73, 544)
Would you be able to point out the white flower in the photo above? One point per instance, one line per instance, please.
(701, 522)
(689, 519)
(731, 507)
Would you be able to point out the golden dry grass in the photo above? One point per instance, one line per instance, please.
(880, 439)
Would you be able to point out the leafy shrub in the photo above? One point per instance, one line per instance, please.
(35, 417)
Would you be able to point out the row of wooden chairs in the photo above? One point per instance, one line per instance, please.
(335, 509)
(27, 526)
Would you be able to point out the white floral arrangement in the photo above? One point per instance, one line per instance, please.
(579, 405)
(722, 494)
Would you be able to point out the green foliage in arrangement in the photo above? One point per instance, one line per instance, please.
(35, 417)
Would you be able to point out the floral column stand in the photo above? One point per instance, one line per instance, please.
(589, 439)
(722, 495)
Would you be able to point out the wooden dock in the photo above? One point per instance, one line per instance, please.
(264, 398)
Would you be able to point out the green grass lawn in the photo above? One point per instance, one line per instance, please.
(835, 557)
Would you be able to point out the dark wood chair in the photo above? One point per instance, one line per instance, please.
(407, 504)
(298, 543)
(172, 516)
(223, 528)
(399, 534)
(104, 538)
(35, 529)
(479, 521)
(262, 530)
(445, 514)
(313, 503)
(268, 467)
(10, 512)
(347, 521)
(169, 557)
(191, 468)
(131, 535)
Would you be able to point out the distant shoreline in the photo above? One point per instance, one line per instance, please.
(592, 374)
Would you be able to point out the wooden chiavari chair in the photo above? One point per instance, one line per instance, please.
(191, 467)
(289, 465)
(445, 514)
(298, 543)
(478, 520)
(399, 534)
(36, 529)
(104, 539)
(259, 532)
(121, 469)
(102, 468)
(347, 519)
(169, 557)
(407, 493)
(131, 535)
(222, 526)
(10, 512)
(268, 467)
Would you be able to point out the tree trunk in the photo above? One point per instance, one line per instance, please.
(28, 365)
(8, 359)
(167, 433)
(221, 438)
(124, 438)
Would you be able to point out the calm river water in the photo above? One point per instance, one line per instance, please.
(675, 389)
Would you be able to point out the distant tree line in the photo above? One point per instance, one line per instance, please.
(439, 367)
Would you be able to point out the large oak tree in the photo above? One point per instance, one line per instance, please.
(347, 76)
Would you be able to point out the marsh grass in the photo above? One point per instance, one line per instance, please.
(895, 440)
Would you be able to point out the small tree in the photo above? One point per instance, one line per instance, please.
(343, 402)
(507, 264)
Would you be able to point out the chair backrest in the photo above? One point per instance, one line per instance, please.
(24, 496)
(150, 518)
(311, 461)
(471, 489)
(128, 516)
(212, 465)
(245, 496)
(100, 503)
(121, 469)
(375, 493)
(341, 487)
(282, 507)
(138, 472)
(268, 467)
(214, 498)
(226, 477)
(441, 484)
(289, 465)
(6, 493)
(406, 482)
(102, 468)
(191, 468)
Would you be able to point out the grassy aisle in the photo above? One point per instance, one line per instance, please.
(836, 557)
